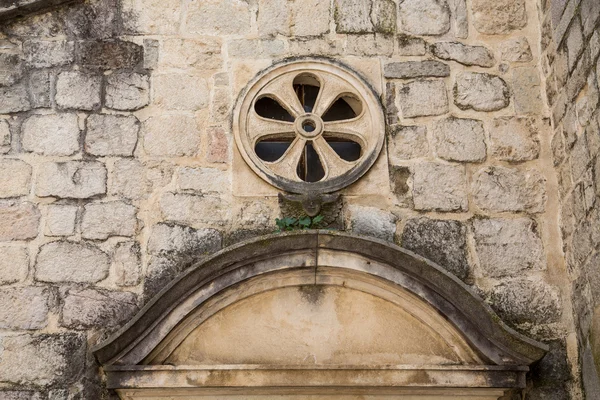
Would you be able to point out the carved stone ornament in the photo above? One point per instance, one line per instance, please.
(310, 124)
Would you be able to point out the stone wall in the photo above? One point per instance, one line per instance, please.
(118, 168)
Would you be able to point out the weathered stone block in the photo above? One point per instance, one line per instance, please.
(220, 106)
(370, 45)
(94, 308)
(44, 54)
(109, 54)
(501, 189)
(460, 18)
(423, 98)
(406, 142)
(71, 179)
(360, 16)
(11, 69)
(497, 17)
(307, 17)
(151, 16)
(168, 239)
(114, 218)
(134, 180)
(203, 180)
(192, 209)
(14, 99)
(95, 19)
(411, 46)
(218, 146)
(127, 264)
(5, 137)
(464, 54)
(508, 247)
(527, 90)
(51, 135)
(514, 139)
(171, 135)
(127, 91)
(371, 221)
(14, 264)
(574, 43)
(78, 90)
(111, 135)
(18, 220)
(24, 307)
(306, 46)
(20, 395)
(15, 178)
(443, 242)
(256, 48)
(416, 69)
(516, 50)
(273, 17)
(425, 17)
(180, 92)
(40, 88)
(481, 92)
(218, 17)
(60, 220)
(525, 300)
(201, 54)
(457, 139)
(71, 262)
(440, 187)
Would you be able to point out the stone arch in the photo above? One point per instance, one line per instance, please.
(316, 312)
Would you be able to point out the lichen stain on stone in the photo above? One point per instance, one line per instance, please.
(312, 293)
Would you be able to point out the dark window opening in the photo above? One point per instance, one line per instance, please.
(310, 168)
(269, 108)
(343, 108)
(271, 151)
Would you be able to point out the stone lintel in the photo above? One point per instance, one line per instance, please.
(10, 9)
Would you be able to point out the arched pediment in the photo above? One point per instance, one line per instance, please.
(316, 310)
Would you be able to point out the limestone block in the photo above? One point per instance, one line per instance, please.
(514, 139)
(508, 247)
(24, 307)
(14, 98)
(219, 17)
(51, 135)
(71, 179)
(457, 139)
(422, 98)
(306, 46)
(133, 180)
(64, 261)
(20, 395)
(516, 50)
(274, 17)
(42, 359)
(464, 54)
(406, 142)
(15, 178)
(98, 19)
(360, 16)
(218, 145)
(371, 221)
(460, 18)
(501, 189)
(94, 308)
(220, 105)
(411, 46)
(109, 54)
(256, 48)
(127, 91)
(527, 90)
(18, 220)
(574, 44)
(441, 241)
(46, 53)
(171, 135)
(440, 187)
(14, 264)
(151, 16)
(497, 17)
(203, 180)
(310, 17)
(60, 220)
(370, 45)
(11, 69)
(126, 263)
(525, 300)
(416, 69)
(40, 88)
(425, 17)
(180, 92)
(178, 240)
(192, 209)
(113, 218)
(78, 90)
(111, 135)
(4, 137)
(481, 92)
(201, 54)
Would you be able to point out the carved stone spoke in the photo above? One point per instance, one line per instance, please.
(282, 90)
(286, 166)
(356, 129)
(333, 164)
(260, 128)
(331, 89)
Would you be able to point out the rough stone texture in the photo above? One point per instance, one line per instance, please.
(126, 263)
(14, 264)
(460, 18)
(526, 300)
(101, 220)
(151, 16)
(4, 137)
(20, 395)
(192, 209)
(416, 69)
(42, 359)
(180, 92)
(202, 54)
(114, 54)
(61, 220)
(411, 46)
(516, 50)
(406, 142)
(496, 17)
(93, 308)
(441, 241)
(514, 139)
(508, 247)
(15, 178)
(501, 189)
(14, 99)
(218, 145)
(307, 17)
(44, 54)
(71, 179)
(457, 139)
(273, 17)
(481, 92)
(424, 17)
(364, 16)
(527, 90)
(71, 262)
(24, 308)
(133, 180)
(111, 135)
(127, 91)
(203, 180)
(11, 69)
(370, 45)
(219, 17)
(51, 135)
(40, 88)
(423, 98)
(170, 239)
(440, 187)
(78, 90)
(249, 48)
(464, 54)
(171, 135)
(18, 220)
(371, 221)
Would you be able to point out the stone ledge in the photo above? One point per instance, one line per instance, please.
(10, 9)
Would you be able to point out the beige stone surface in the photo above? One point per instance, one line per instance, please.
(124, 91)
(24, 308)
(78, 90)
(457, 139)
(171, 135)
(111, 135)
(480, 92)
(425, 17)
(126, 263)
(422, 98)
(132, 179)
(514, 139)
(180, 92)
(61, 220)
(152, 16)
(214, 17)
(15, 178)
(113, 218)
(194, 209)
(51, 135)
(64, 261)
(4, 137)
(18, 220)
(204, 180)
(307, 17)
(439, 186)
(201, 54)
(14, 263)
(71, 179)
(499, 16)
(406, 142)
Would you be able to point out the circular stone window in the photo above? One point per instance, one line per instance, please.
(309, 126)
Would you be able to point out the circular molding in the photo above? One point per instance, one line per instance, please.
(335, 81)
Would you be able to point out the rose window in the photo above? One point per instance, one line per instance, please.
(309, 126)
